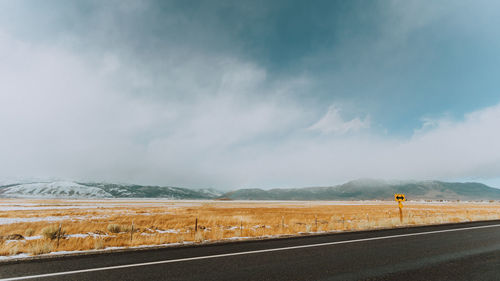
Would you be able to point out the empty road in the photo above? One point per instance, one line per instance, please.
(468, 251)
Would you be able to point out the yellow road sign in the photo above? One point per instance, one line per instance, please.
(399, 197)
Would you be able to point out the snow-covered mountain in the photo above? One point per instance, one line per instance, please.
(58, 189)
(70, 189)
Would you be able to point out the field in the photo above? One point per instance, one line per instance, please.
(34, 227)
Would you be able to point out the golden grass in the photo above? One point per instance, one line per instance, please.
(156, 222)
(40, 247)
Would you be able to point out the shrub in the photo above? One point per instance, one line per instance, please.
(14, 236)
(98, 244)
(51, 232)
(114, 228)
(29, 232)
(117, 228)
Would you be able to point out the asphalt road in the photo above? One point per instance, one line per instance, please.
(469, 251)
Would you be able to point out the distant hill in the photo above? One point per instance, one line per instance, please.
(69, 189)
(369, 189)
(364, 189)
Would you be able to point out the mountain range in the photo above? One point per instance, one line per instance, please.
(362, 189)
(369, 189)
(70, 189)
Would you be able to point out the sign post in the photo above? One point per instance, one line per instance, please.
(400, 198)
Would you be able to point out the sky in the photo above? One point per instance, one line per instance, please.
(233, 94)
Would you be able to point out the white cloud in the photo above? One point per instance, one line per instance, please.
(332, 122)
(468, 148)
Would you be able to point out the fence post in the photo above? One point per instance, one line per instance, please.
(132, 231)
(196, 225)
(58, 235)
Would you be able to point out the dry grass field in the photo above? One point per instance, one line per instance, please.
(33, 227)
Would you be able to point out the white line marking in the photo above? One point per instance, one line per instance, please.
(242, 253)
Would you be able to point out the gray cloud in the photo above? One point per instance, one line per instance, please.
(109, 95)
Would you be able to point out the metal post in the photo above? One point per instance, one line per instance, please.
(400, 212)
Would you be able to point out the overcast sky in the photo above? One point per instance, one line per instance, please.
(231, 94)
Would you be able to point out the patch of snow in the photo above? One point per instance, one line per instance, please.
(210, 192)
(33, 237)
(237, 238)
(35, 219)
(22, 208)
(19, 204)
(65, 252)
(167, 231)
(23, 255)
(261, 226)
(84, 235)
(45, 219)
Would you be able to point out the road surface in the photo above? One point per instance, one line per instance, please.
(468, 251)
